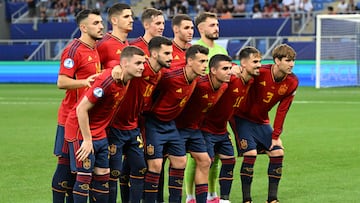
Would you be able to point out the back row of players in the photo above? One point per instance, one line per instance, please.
(129, 105)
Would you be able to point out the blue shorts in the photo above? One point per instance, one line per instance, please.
(61, 146)
(218, 144)
(162, 138)
(99, 159)
(127, 142)
(252, 136)
(193, 139)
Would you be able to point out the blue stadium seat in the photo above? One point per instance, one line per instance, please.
(16, 52)
(234, 46)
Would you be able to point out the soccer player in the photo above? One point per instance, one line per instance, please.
(208, 26)
(154, 24)
(208, 90)
(276, 85)
(183, 29)
(124, 134)
(110, 47)
(170, 98)
(79, 65)
(85, 127)
(214, 127)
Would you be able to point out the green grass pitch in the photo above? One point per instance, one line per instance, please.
(321, 139)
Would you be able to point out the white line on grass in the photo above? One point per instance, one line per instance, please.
(27, 103)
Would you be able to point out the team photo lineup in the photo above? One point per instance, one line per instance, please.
(130, 106)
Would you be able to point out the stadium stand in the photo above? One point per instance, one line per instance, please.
(237, 32)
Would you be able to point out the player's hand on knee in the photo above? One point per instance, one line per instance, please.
(277, 142)
(85, 149)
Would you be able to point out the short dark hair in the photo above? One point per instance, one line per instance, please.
(247, 51)
(203, 16)
(194, 49)
(117, 9)
(177, 19)
(85, 13)
(156, 42)
(217, 58)
(130, 51)
(149, 13)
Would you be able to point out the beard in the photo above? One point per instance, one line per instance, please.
(163, 64)
(212, 37)
(96, 37)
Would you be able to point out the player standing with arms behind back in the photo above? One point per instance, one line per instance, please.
(79, 65)
(111, 45)
(154, 24)
(275, 85)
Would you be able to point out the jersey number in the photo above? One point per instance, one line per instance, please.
(269, 96)
(148, 91)
(238, 102)
(209, 105)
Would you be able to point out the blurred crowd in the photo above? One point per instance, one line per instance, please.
(65, 10)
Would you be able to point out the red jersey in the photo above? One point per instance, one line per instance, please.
(179, 59)
(233, 98)
(138, 96)
(172, 94)
(142, 44)
(201, 102)
(265, 93)
(106, 95)
(78, 61)
(109, 48)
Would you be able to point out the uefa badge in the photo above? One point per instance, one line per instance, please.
(98, 92)
(68, 63)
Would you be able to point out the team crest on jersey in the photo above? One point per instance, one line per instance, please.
(206, 96)
(98, 92)
(89, 58)
(150, 150)
(282, 90)
(87, 163)
(176, 57)
(118, 51)
(147, 78)
(263, 83)
(236, 90)
(243, 144)
(112, 149)
(68, 63)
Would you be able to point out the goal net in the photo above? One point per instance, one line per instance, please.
(337, 50)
